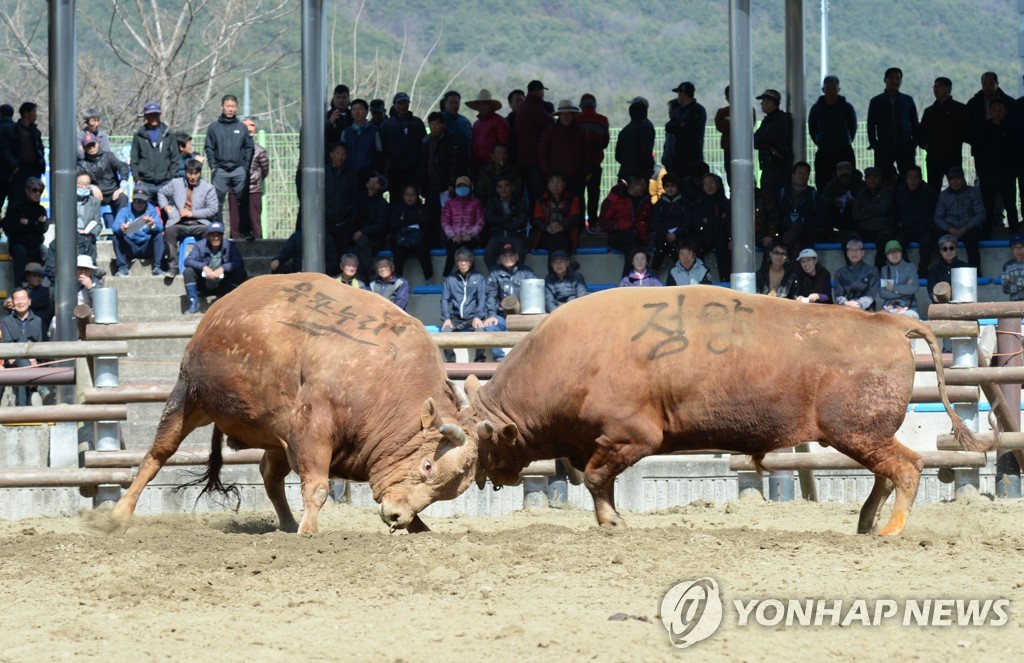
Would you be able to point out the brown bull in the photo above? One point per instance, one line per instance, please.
(616, 376)
(328, 380)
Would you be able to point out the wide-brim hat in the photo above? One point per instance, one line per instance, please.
(566, 106)
(484, 100)
(34, 268)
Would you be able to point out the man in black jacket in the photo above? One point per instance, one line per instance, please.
(21, 326)
(23, 151)
(687, 126)
(832, 123)
(943, 132)
(893, 125)
(229, 149)
(108, 173)
(442, 161)
(154, 152)
(339, 198)
(25, 224)
(402, 135)
(773, 141)
(7, 161)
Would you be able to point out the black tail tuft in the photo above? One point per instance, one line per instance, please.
(211, 477)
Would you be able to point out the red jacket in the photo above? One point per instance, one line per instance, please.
(462, 216)
(488, 132)
(596, 126)
(564, 150)
(617, 213)
(566, 211)
(531, 121)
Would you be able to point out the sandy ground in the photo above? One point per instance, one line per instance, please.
(532, 586)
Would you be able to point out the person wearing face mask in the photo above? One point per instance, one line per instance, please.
(462, 221)
(87, 211)
(189, 204)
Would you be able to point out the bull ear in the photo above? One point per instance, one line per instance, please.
(429, 417)
(472, 385)
(507, 435)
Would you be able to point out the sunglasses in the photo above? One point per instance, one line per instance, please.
(948, 248)
(36, 190)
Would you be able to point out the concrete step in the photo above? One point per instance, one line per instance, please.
(264, 248)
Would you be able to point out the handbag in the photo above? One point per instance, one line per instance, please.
(409, 236)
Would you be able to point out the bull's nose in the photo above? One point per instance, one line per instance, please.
(393, 518)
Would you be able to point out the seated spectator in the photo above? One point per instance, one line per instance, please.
(626, 216)
(42, 299)
(898, 283)
(462, 221)
(689, 269)
(1013, 270)
(693, 184)
(88, 280)
(710, 224)
(499, 167)
(349, 265)
(668, 221)
(557, 217)
(372, 223)
(873, 210)
(393, 288)
(289, 259)
(138, 233)
(942, 271)
(562, 284)
(21, 325)
(87, 212)
(189, 204)
(915, 211)
(213, 267)
(837, 199)
(961, 214)
(409, 223)
(856, 285)
(505, 222)
(25, 225)
(463, 301)
(502, 283)
(108, 172)
(814, 282)
(776, 277)
(795, 217)
(640, 275)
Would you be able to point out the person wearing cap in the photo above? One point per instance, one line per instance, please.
(154, 155)
(961, 214)
(490, 129)
(915, 202)
(565, 149)
(626, 216)
(338, 115)
(108, 173)
(213, 267)
(229, 149)
(132, 240)
(365, 149)
(457, 125)
(7, 161)
(595, 125)
(21, 325)
(997, 160)
(943, 131)
(776, 276)
(634, 147)
(23, 151)
(402, 137)
(91, 124)
(898, 283)
(87, 215)
(378, 112)
(773, 141)
(562, 284)
(893, 125)
(532, 119)
(687, 125)
(464, 301)
(874, 212)
(506, 221)
(189, 204)
(251, 225)
(25, 224)
(557, 217)
(442, 161)
(462, 221)
(837, 199)
(814, 282)
(1013, 270)
(688, 269)
(502, 283)
(942, 271)
(832, 125)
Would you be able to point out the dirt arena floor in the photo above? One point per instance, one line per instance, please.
(528, 587)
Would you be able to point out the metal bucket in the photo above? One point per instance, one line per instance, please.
(965, 285)
(104, 306)
(531, 296)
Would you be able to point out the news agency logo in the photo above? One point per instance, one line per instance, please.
(691, 612)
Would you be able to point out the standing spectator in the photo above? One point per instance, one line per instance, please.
(21, 326)
(961, 214)
(709, 223)
(259, 171)
(7, 160)
(856, 285)
(91, 124)
(339, 198)
(776, 276)
(997, 158)
(108, 173)
(138, 233)
(402, 135)
(338, 115)
(773, 141)
(595, 126)
(490, 129)
(462, 221)
(873, 210)
(515, 99)
(25, 225)
(979, 108)
(213, 267)
(562, 284)
(87, 212)
(365, 150)
(24, 152)
(408, 221)
(393, 288)
(915, 202)
(795, 218)
(832, 123)
(532, 119)
(640, 276)
(378, 112)
(463, 301)
(814, 282)
(837, 199)
(943, 131)
(724, 128)
(155, 154)
(1013, 271)
(689, 269)
(506, 220)
(557, 217)
(626, 216)
(443, 161)
(502, 283)
(942, 271)
(668, 221)
(687, 124)
(189, 205)
(372, 222)
(457, 125)
(565, 149)
(634, 148)
(498, 168)
(229, 151)
(898, 283)
(893, 125)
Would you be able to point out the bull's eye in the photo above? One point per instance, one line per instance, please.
(428, 469)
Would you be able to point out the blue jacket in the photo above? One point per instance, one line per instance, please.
(127, 215)
(892, 124)
(365, 151)
(200, 256)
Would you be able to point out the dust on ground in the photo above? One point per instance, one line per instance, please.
(533, 586)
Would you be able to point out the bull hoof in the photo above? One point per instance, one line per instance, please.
(614, 523)
(290, 528)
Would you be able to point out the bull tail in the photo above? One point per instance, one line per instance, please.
(211, 477)
(961, 433)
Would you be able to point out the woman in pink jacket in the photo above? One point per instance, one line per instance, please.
(462, 221)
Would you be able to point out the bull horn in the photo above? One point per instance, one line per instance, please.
(454, 433)
(484, 430)
(460, 395)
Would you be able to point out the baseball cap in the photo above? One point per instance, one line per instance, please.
(34, 268)
(215, 227)
(844, 167)
(955, 171)
(558, 254)
(871, 170)
(950, 239)
(893, 245)
(807, 253)
(88, 138)
(1018, 238)
(378, 106)
(151, 108)
(509, 247)
(770, 94)
(464, 181)
(535, 85)
(640, 100)
(140, 194)
(401, 96)
(685, 86)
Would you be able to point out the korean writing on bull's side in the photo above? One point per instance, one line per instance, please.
(668, 322)
(328, 318)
